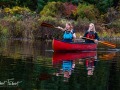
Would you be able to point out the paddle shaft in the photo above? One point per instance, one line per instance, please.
(103, 42)
(47, 25)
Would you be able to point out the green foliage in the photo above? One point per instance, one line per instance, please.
(41, 4)
(116, 26)
(52, 9)
(59, 9)
(57, 0)
(38, 5)
(118, 7)
(26, 3)
(3, 31)
(47, 18)
(32, 4)
(103, 5)
(77, 1)
(3, 0)
(87, 11)
(17, 10)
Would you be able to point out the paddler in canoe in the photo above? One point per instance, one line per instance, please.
(91, 35)
(69, 34)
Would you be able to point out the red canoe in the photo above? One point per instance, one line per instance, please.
(65, 46)
(59, 57)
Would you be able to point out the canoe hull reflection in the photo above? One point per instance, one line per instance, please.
(59, 57)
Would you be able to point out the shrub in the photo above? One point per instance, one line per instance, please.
(59, 9)
(47, 18)
(53, 9)
(17, 10)
(3, 31)
(87, 11)
(70, 9)
(104, 5)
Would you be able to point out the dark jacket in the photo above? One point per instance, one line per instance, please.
(91, 35)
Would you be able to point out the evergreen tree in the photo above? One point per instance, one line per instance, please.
(103, 5)
(40, 4)
(77, 1)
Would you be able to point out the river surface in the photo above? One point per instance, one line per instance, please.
(33, 65)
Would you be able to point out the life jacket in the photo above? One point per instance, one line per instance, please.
(91, 35)
(90, 63)
(68, 35)
(67, 65)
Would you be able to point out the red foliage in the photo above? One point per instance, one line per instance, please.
(69, 9)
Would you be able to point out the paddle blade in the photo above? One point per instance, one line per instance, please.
(108, 44)
(47, 25)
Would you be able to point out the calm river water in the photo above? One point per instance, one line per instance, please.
(32, 65)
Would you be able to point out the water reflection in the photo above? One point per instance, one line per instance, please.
(108, 56)
(68, 62)
(36, 67)
(22, 48)
(90, 65)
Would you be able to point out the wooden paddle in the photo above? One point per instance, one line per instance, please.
(47, 25)
(103, 42)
